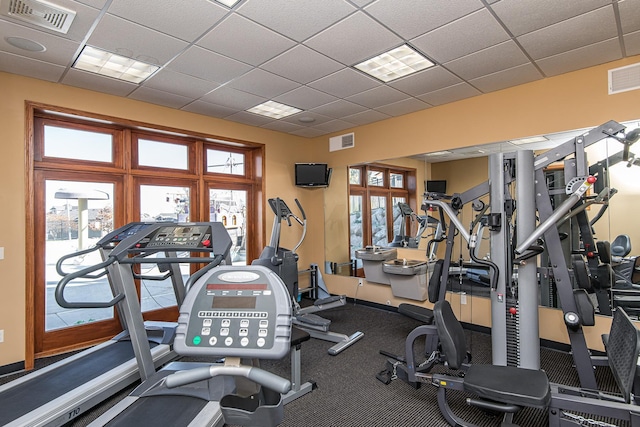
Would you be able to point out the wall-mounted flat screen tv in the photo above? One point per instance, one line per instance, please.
(436, 186)
(312, 174)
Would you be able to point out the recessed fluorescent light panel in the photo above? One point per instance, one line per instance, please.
(437, 153)
(396, 63)
(274, 110)
(228, 3)
(529, 140)
(112, 65)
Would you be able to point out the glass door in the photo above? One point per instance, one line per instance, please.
(230, 208)
(72, 216)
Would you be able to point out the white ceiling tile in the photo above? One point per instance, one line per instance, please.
(333, 126)
(159, 97)
(368, 116)
(186, 21)
(233, 98)
(503, 79)
(281, 126)
(208, 109)
(302, 65)
(524, 16)
(571, 34)
(308, 133)
(98, 4)
(23, 66)
(361, 3)
(425, 81)
(98, 83)
(629, 15)
(297, 19)
(378, 96)
(305, 98)
(244, 40)
(461, 37)
(59, 51)
(317, 118)
(450, 94)
(406, 106)
(345, 82)
(207, 65)
(263, 83)
(339, 109)
(354, 39)
(249, 118)
(487, 61)
(410, 18)
(632, 43)
(587, 56)
(132, 40)
(178, 83)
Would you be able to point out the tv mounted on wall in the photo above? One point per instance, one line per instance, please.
(436, 186)
(312, 175)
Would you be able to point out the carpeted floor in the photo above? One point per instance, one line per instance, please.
(348, 393)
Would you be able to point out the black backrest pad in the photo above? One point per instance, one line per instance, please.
(581, 273)
(623, 348)
(450, 333)
(434, 281)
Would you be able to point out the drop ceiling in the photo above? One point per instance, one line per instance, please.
(219, 62)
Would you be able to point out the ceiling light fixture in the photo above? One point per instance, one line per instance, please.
(112, 65)
(438, 153)
(529, 140)
(274, 110)
(396, 63)
(228, 3)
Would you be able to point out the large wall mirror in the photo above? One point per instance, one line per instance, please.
(464, 168)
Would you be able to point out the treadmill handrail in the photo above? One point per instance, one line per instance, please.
(62, 259)
(62, 284)
(257, 375)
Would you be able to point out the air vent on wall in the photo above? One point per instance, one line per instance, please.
(624, 78)
(342, 142)
(39, 12)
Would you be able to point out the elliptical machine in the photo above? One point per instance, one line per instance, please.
(284, 262)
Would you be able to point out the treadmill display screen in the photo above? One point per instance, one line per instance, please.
(233, 302)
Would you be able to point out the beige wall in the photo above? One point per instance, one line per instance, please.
(569, 101)
(282, 151)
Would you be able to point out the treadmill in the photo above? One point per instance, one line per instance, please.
(56, 394)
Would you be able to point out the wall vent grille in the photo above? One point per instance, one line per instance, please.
(342, 142)
(624, 79)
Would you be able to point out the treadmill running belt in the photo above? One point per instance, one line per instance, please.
(24, 398)
(174, 411)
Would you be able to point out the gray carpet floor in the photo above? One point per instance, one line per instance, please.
(348, 393)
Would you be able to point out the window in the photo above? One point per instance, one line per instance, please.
(374, 215)
(85, 186)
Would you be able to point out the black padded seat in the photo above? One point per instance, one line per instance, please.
(298, 336)
(416, 312)
(508, 384)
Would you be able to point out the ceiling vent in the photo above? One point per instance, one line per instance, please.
(624, 79)
(342, 142)
(39, 12)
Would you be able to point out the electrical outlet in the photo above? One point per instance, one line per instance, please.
(2, 253)
(463, 298)
(360, 282)
(1, 335)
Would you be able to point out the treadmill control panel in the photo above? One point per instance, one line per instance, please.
(181, 236)
(236, 311)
